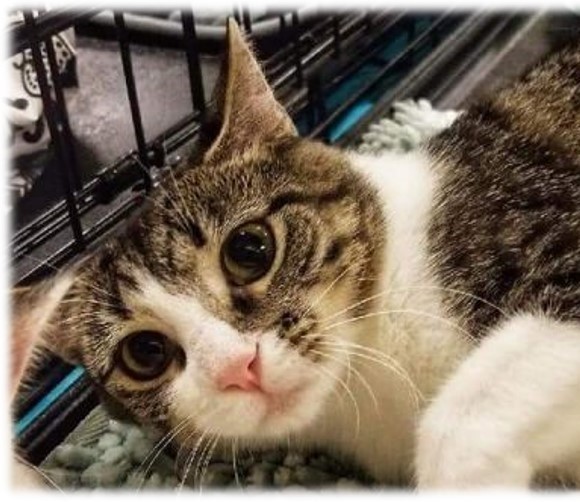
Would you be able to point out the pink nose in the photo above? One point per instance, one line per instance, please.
(241, 373)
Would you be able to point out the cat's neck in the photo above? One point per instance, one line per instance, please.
(407, 185)
(407, 327)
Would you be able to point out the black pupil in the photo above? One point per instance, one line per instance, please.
(148, 350)
(248, 250)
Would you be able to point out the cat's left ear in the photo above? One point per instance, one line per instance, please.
(247, 111)
(31, 310)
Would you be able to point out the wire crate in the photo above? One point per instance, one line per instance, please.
(334, 72)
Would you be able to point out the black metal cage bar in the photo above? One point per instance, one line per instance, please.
(311, 63)
(61, 109)
(133, 98)
(54, 116)
(193, 64)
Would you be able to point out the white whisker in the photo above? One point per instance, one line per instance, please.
(235, 462)
(191, 458)
(92, 302)
(402, 311)
(159, 447)
(357, 373)
(76, 279)
(388, 363)
(327, 290)
(416, 288)
(185, 206)
(178, 212)
(206, 462)
(349, 394)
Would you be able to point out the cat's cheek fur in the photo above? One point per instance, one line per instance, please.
(511, 410)
(294, 385)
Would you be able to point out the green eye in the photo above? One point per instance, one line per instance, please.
(248, 253)
(145, 355)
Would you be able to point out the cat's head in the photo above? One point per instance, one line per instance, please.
(223, 306)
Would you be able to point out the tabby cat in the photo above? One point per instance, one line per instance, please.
(418, 313)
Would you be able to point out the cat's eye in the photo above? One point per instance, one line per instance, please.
(145, 355)
(248, 253)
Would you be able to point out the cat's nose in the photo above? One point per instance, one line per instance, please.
(241, 373)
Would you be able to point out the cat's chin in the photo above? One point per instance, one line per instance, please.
(263, 415)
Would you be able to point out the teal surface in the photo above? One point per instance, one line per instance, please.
(41, 406)
(393, 47)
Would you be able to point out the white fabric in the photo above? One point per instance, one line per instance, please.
(22, 106)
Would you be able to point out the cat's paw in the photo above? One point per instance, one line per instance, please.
(466, 453)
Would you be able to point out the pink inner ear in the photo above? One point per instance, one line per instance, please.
(29, 318)
(23, 337)
(257, 119)
(249, 111)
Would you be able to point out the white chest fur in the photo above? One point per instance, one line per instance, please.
(410, 330)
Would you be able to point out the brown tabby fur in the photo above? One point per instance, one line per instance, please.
(515, 157)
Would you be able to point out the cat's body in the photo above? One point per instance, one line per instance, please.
(514, 157)
(416, 312)
(484, 227)
(408, 324)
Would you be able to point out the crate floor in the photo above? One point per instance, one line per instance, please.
(103, 453)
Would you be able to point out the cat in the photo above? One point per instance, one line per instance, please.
(418, 313)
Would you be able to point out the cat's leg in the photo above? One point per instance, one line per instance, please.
(511, 409)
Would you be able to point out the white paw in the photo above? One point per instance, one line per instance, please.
(466, 454)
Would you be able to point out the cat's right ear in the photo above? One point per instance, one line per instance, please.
(32, 311)
(246, 111)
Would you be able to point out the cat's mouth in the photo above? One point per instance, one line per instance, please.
(276, 402)
(267, 412)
